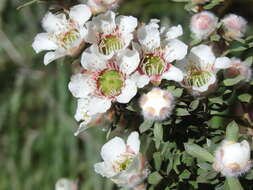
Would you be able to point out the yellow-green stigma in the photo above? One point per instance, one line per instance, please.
(68, 38)
(110, 83)
(125, 164)
(153, 65)
(198, 78)
(110, 44)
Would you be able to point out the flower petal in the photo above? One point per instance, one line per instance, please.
(92, 61)
(126, 24)
(42, 42)
(140, 80)
(104, 23)
(173, 32)
(112, 149)
(202, 55)
(128, 92)
(133, 142)
(98, 105)
(80, 13)
(104, 169)
(173, 74)
(222, 63)
(80, 86)
(53, 23)
(128, 60)
(82, 111)
(175, 50)
(149, 36)
(53, 55)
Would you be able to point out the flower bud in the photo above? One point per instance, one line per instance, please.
(65, 184)
(99, 6)
(156, 104)
(234, 26)
(203, 24)
(232, 159)
(239, 68)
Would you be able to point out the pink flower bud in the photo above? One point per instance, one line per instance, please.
(234, 26)
(156, 104)
(99, 6)
(203, 24)
(239, 68)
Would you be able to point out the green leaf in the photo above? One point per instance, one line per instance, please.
(216, 100)
(158, 134)
(234, 183)
(233, 81)
(194, 105)
(182, 112)
(198, 152)
(185, 174)
(146, 125)
(176, 92)
(158, 160)
(248, 61)
(245, 97)
(154, 178)
(232, 131)
(215, 37)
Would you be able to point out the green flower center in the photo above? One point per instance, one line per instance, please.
(121, 166)
(110, 82)
(110, 44)
(198, 78)
(68, 38)
(153, 65)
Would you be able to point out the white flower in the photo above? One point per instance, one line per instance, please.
(110, 33)
(239, 68)
(63, 36)
(158, 49)
(105, 80)
(65, 184)
(203, 24)
(99, 6)
(232, 159)
(157, 104)
(200, 68)
(122, 162)
(234, 25)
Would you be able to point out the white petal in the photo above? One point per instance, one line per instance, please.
(202, 55)
(128, 92)
(53, 55)
(133, 142)
(80, 86)
(104, 23)
(174, 32)
(42, 42)
(53, 23)
(92, 62)
(112, 149)
(104, 169)
(91, 36)
(128, 60)
(222, 63)
(126, 24)
(173, 74)
(80, 13)
(140, 80)
(82, 110)
(98, 105)
(149, 36)
(175, 50)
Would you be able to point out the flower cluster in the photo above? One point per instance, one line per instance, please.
(122, 58)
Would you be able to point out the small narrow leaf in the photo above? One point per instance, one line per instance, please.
(146, 125)
(245, 97)
(233, 81)
(232, 131)
(234, 183)
(198, 152)
(154, 178)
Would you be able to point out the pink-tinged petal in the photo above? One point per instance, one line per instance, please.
(133, 142)
(104, 169)
(222, 63)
